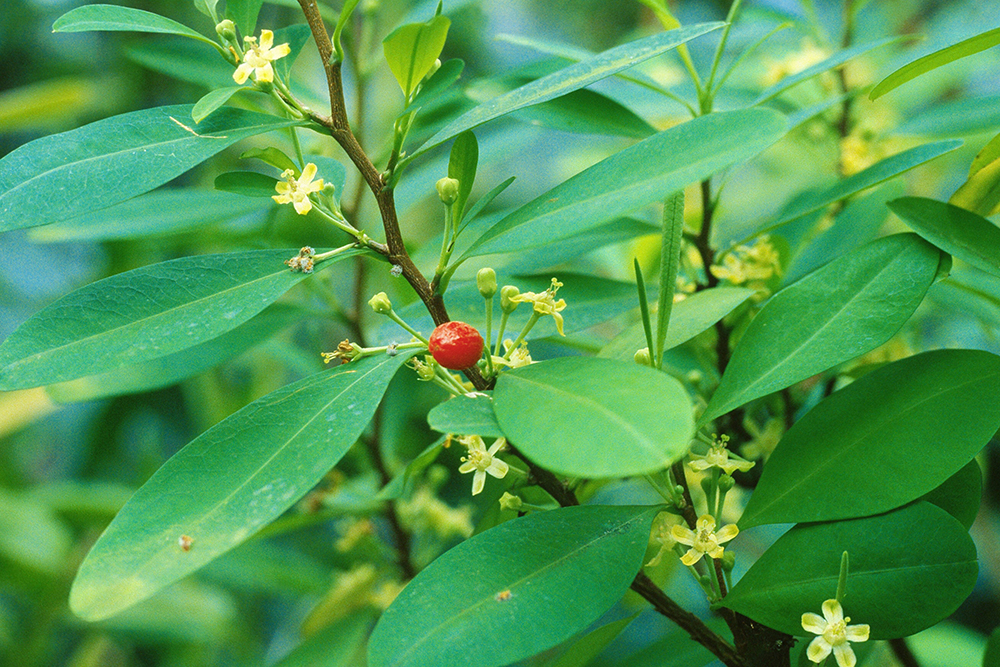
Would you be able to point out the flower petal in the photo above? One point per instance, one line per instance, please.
(814, 623)
(478, 482)
(833, 612)
(857, 633)
(818, 650)
(266, 39)
(727, 533)
(308, 173)
(498, 468)
(691, 557)
(302, 206)
(682, 534)
(242, 73)
(467, 467)
(844, 655)
(265, 73)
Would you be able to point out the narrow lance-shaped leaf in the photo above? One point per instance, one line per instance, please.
(981, 192)
(111, 160)
(462, 165)
(876, 444)
(588, 417)
(549, 573)
(908, 570)
(932, 61)
(228, 483)
(635, 177)
(412, 49)
(670, 257)
(144, 314)
(844, 309)
(967, 236)
(124, 19)
(573, 77)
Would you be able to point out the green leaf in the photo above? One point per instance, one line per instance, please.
(992, 656)
(670, 255)
(588, 417)
(168, 370)
(246, 183)
(272, 156)
(342, 18)
(967, 115)
(114, 18)
(587, 112)
(961, 494)
(183, 60)
(633, 178)
(967, 236)
(675, 649)
(32, 536)
(584, 650)
(244, 14)
(228, 483)
(836, 60)
(439, 82)
(989, 154)
(158, 213)
(397, 487)
(296, 36)
(144, 314)
(573, 77)
(207, 7)
(462, 164)
(332, 171)
(981, 192)
(879, 172)
(932, 61)
(688, 318)
(204, 107)
(836, 461)
(970, 292)
(465, 415)
(114, 159)
(844, 309)
(909, 569)
(412, 49)
(336, 645)
(550, 573)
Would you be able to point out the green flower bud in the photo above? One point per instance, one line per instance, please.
(226, 30)
(507, 293)
(706, 484)
(509, 501)
(447, 190)
(380, 303)
(728, 561)
(641, 357)
(726, 483)
(434, 68)
(486, 281)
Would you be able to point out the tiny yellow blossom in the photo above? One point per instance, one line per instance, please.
(834, 635)
(519, 357)
(296, 192)
(482, 461)
(795, 62)
(718, 457)
(661, 535)
(750, 265)
(545, 303)
(703, 539)
(258, 58)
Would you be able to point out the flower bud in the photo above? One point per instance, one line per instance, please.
(486, 281)
(434, 68)
(509, 501)
(447, 189)
(706, 484)
(507, 293)
(380, 303)
(226, 30)
(728, 561)
(641, 357)
(726, 483)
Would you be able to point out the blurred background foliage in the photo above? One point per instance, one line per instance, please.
(68, 460)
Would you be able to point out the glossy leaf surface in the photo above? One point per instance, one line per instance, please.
(115, 18)
(908, 570)
(104, 163)
(888, 438)
(961, 494)
(228, 483)
(588, 417)
(412, 49)
(574, 77)
(844, 309)
(969, 237)
(550, 573)
(465, 415)
(144, 314)
(633, 178)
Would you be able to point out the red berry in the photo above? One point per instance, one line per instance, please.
(456, 345)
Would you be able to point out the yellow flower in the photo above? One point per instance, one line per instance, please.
(258, 58)
(519, 357)
(750, 265)
(718, 457)
(482, 461)
(834, 633)
(545, 303)
(703, 539)
(296, 192)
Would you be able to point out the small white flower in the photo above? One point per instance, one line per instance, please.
(703, 539)
(258, 58)
(835, 635)
(482, 461)
(718, 457)
(296, 192)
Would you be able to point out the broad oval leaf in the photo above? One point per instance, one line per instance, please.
(588, 417)
(114, 18)
(642, 174)
(465, 415)
(886, 439)
(111, 160)
(412, 49)
(228, 483)
(931, 61)
(551, 574)
(969, 237)
(844, 309)
(144, 314)
(908, 570)
(961, 494)
(575, 76)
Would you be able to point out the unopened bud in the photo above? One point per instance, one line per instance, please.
(726, 483)
(380, 303)
(509, 501)
(434, 68)
(728, 561)
(486, 281)
(507, 293)
(641, 357)
(226, 30)
(447, 189)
